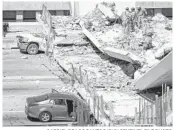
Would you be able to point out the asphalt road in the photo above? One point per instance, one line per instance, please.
(25, 76)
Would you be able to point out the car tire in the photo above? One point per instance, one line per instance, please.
(45, 116)
(32, 49)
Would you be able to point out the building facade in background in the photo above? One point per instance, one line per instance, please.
(26, 11)
(153, 8)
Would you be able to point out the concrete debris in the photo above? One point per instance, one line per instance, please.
(67, 22)
(92, 39)
(149, 56)
(127, 57)
(129, 70)
(163, 51)
(103, 15)
(108, 13)
(118, 54)
(135, 59)
(94, 16)
(153, 63)
(152, 37)
(169, 25)
(24, 57)
(147, 42)
(72, 50)
(160, 18)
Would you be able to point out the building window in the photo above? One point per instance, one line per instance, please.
(29, 15)
(9, 15)
(150, 11)
(52, 12)
(66, 12)
(167, 12)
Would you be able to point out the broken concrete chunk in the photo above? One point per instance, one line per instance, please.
(92, 39)
(153, 63)
(106, 11)
(167, 48)
(147, 43)
(117, 53)
(123, 55)
(149, 55)
(164, 50)
(136, 59)
(160, 18)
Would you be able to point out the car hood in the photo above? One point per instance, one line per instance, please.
(32, 38)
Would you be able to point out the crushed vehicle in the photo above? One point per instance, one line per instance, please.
(53, 106)
(31, 43)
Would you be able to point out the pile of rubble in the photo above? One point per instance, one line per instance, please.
(74, 50)
(66, 22)
(103, 71)
(103, 15)
(111, 35)
(155, 35)
(160, 18)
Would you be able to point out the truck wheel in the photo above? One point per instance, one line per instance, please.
(45, 117)
(32, 49)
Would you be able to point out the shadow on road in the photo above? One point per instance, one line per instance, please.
(37, 120)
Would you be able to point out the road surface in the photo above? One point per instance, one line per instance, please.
(25, 76)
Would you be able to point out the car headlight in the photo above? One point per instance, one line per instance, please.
(25, 39)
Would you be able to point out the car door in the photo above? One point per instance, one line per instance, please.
(59, 109)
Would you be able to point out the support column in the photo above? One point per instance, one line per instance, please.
(75, 8)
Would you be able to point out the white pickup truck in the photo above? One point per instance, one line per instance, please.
(31, 43)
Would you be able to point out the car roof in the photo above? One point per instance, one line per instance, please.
(66, 95)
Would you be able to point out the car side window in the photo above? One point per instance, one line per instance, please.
(59, 101)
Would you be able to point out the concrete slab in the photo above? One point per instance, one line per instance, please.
(161, 73)
(92, 39)
(118, 54)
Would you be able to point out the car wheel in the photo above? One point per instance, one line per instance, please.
(45, 117)
(32, 49)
